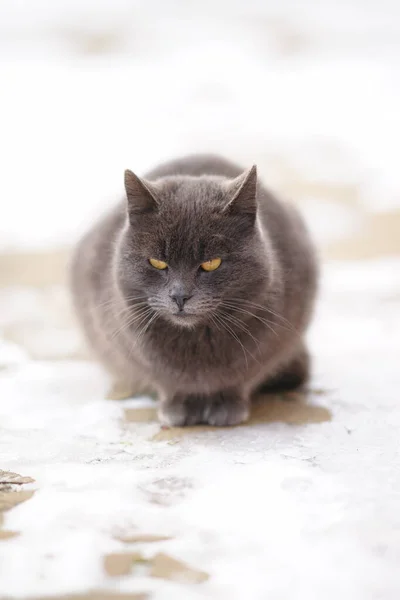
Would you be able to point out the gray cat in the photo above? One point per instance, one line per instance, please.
(198, 287)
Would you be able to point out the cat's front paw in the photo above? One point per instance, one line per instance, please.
(220, 410)
(228, 413)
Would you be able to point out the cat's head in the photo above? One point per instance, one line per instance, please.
(193, 245)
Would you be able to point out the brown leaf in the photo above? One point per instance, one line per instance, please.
(6, 535)
(5, 487)
(142, 537)
(141, 415)
(10, 499)
(166, 567)
(13, 478)
(119, 392)
(292, 409)
(124, 391)
(121, 563)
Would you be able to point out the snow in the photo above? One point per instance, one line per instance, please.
(266, 509)
(310, 92)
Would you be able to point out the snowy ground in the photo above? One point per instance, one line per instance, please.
(303, 502)
(298, 504)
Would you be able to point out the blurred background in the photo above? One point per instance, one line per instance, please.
(310, 91)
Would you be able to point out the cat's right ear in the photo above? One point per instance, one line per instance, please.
(141, 195)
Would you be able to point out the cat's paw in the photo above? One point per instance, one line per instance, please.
(219, 410)
(229, 413)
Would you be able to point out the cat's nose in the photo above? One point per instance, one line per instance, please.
(180, 297)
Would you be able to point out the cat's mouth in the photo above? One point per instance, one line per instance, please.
(184, 318)
(184, 314)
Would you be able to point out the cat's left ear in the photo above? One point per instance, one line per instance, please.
(241, 194)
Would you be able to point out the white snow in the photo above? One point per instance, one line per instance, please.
(269, 510)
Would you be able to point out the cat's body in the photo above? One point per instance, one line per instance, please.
(203, 341)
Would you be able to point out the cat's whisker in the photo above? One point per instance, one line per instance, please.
(267, 322)
(235, 321)
(214, 322)
(134, 318)
(122, 329)
(142, 323)
(131, 310)
(145, 320)
(148, 322)
(242, 302)
(234, 335)
(123, 301)
(253, 315)
(159, 306)
(152, 320)
(124, 312)
(136, 341)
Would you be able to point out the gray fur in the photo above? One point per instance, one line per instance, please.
(246, 319)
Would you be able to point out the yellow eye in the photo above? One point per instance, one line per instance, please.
(211, 265)
(158, 264)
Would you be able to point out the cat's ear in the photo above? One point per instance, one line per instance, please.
(241, 194)
(141, 194)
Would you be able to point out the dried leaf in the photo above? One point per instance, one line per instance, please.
(166, 567)
(6, 487)
(10, 499)
(121, 563)
(119, 392)
(7, 477)
(142, 537)
(123, 391)
(292, 409)
(141, 415)
(6, 535)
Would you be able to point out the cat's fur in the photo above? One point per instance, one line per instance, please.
(246, 320)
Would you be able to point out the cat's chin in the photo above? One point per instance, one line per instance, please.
(186, 320)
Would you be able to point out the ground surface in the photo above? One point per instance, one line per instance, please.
(304, 498)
